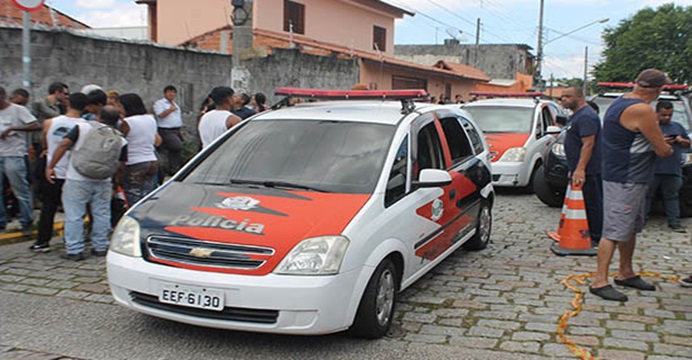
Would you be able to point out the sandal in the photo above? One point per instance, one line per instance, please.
(608, 293)
(636, 282)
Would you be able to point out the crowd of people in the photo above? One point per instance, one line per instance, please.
(95, 152)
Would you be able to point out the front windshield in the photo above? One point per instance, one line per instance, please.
(507, 119)
(679, 114)
(342, 157)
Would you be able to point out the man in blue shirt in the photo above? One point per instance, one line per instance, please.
(667, 170)
(583, 151)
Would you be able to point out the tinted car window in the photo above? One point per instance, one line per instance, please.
(343, 157)
(396, 185)
(456, 139)
(473, 136)
(429, 154)
(502, 118)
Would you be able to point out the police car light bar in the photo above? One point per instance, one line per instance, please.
(351, 94)
(506, 94)
(624, 85)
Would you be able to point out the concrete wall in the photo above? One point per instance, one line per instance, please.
(295, 69)
(498, 61)
(145, 69)
(123, 66)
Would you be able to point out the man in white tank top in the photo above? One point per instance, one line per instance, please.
(54, 130)
(215, 122)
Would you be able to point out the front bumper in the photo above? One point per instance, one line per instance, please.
(510, 174)
(308, 305)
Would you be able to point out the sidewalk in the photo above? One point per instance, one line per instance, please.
(13, 229)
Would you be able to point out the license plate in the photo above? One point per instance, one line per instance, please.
(192, 296)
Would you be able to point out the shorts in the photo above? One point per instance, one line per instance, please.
(624, 209)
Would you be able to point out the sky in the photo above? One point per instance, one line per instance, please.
(502, 21)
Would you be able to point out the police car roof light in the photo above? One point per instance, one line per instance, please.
(625, 85)
(351, 94)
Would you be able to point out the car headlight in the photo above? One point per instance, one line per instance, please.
(558, 149)
(125, 239)
(516, 154)
(315, 256)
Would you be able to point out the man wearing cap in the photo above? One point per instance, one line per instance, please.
(631, 140)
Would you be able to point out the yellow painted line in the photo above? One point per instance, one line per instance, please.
(15, 235)
(576, 304)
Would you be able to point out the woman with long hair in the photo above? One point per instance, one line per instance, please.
(140, 130)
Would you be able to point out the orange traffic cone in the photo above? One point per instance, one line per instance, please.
(573, 233)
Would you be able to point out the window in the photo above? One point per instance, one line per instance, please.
(379, 38)
(456, 139)
(475, 138)
(341, 157)
(396, 185)
(429, 152)
(545, 120)
(294, 17)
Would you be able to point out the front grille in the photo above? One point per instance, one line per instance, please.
(205, 253)
(228, 313)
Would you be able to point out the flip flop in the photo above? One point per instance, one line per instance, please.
(636, 282)
(608, 292)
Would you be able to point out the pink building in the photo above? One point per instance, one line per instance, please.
(362, 29)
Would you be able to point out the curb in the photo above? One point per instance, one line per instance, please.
(16, 235)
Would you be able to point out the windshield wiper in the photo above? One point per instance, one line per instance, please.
(275, 184)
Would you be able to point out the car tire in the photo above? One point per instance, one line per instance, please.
(529, 188)
(376, 309)
(548, 194)
(481, 238)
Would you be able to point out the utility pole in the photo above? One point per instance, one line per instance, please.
(586, 67)
(539, 49)
(26, 50)
(478, 40)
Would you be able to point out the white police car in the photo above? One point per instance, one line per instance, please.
(519, 131)
(309, 219)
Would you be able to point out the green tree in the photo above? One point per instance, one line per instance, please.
(653, 38)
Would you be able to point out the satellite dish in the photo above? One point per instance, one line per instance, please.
(455, 34)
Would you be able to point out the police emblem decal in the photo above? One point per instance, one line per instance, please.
(238, 203)
(437, 209)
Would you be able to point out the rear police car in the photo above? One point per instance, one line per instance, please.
(308, 220)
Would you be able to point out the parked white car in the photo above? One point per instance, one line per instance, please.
(518, 131)
(309, 219)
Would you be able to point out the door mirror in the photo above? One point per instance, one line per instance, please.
(433, 178)
(553, 130)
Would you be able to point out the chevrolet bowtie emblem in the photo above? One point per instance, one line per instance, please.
(201, 253)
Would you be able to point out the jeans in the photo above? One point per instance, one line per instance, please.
(139, 180)
(670, 189)
(593, 200)
(14, 167)
(75, 197)
(49, 206)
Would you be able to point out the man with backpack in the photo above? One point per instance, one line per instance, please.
(98, 152)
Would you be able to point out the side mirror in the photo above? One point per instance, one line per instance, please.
(561, 120)
(430, 178)
(553, 130)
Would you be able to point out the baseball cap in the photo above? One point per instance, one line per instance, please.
(652, 78)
